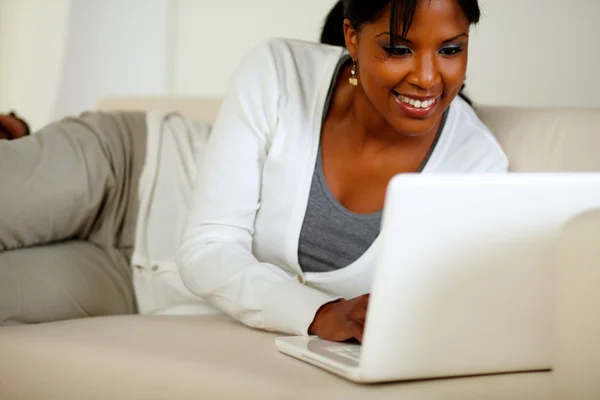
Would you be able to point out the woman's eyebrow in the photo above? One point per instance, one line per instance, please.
(401, 39)
(455, 37)
(396, 37)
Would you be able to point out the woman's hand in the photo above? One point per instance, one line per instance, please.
(341, 320)
(12, 127)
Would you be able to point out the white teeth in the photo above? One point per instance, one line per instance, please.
(417, 103)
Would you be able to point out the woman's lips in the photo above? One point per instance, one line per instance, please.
(416, 107)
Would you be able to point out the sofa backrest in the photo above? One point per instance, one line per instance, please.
(535, 139)
(546, 140)
(202, 109)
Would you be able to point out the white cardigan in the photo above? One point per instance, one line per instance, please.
(240, 245)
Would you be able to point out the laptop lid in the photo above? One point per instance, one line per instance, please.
(463, 283)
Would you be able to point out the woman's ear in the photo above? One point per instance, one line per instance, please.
(351, 36)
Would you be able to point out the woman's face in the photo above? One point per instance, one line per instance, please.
(412, 83)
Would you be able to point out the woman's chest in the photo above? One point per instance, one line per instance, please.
(284, 190)
(358, 179)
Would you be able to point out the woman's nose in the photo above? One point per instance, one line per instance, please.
(425, 72)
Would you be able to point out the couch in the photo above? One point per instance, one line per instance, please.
(168, 357)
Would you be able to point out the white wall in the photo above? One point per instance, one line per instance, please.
(537, 53)
(525, 52)
(213, 36)
(32, 42)
(115, 47)
(62, 56)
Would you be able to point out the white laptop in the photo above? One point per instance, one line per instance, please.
(464, 280)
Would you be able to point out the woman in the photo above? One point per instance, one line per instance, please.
(283, 229)
(332, 35)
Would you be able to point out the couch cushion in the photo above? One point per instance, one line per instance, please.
(197, 358)
(546, 140)
(200, 109)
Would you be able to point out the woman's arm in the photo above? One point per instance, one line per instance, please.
(215, 257)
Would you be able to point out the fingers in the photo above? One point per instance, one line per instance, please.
(355, 330)
(357, 317)
(358, 314)
(364, 301)
(341, 321)
(359, 309)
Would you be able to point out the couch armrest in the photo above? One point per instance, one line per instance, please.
(577, 341)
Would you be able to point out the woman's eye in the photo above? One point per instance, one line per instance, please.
(397, 51)
(451, 51)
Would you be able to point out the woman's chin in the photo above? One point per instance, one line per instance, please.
(410, 127)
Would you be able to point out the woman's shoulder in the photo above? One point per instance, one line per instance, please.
(471, 140)
(469, 122)
(301, 51)
(295, 61)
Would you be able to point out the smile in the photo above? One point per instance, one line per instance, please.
(417, 103)
(419, 108)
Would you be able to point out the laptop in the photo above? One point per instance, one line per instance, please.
(463, 283)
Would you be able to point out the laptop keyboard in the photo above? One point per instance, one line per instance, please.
(351, 352)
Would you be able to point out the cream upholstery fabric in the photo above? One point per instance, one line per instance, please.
(190, 358)
(202, 109)
(546, 140)
(135, 358)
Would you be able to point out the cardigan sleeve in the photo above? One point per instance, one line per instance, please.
(215, 256)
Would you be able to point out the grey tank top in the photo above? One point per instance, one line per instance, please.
(333, 237)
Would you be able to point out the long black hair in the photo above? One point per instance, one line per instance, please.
(333, 28)
(402, 12)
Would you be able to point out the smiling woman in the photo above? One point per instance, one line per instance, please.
(411, 54)
(288, 202)
(333, 33)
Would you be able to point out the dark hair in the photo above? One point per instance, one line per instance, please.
(402, 12)
(333, 31)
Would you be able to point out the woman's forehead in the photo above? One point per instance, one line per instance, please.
(439, 17)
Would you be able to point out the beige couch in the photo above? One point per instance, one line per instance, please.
(213, 357)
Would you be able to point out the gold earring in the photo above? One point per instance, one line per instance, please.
(353, 79)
